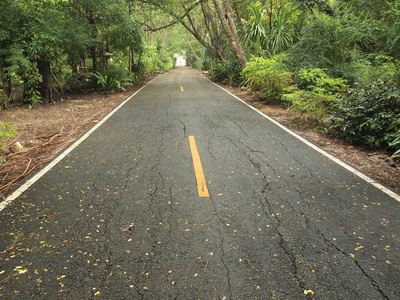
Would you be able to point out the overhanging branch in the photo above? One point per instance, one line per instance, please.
(178, 18)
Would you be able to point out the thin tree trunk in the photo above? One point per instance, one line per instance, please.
(190, 45)
(195, 33)
(93, 48)
(130, 58)
(7, 86)
(46, 87)
(212, 28)
(230, 31)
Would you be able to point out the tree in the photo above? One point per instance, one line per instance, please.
(226, 18)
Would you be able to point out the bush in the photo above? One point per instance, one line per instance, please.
(369, 116)
(111, 82)
(395, 144)
(316, 95)
(377, 67)
(333, 43)
(228, 72)
(268, 76)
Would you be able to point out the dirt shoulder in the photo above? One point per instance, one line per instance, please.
(372, 163)
(44, 131)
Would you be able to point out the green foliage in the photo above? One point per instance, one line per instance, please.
(317, 80)
(254, 32)
(280, 37)
(332, 43)
(268, 76)
(376, 67)
(6, 131)
(395, 143)
(369, 116)
(32, 80)
(228, 72)
(111, 82)
(316, 93)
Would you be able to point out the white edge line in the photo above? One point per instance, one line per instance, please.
(60, 157)
(330, 156)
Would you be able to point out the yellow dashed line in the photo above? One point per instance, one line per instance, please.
(198, 169)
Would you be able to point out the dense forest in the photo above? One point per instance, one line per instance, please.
(335, 61)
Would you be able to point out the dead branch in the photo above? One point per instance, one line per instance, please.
(5, 188)
(44, 144)
(54, 136)
(24, 174)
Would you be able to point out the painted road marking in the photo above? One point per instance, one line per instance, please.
(198, 169)
(182, 90)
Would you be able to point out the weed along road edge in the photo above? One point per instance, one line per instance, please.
(123, 214)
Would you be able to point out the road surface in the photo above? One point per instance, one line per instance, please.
(187, 193)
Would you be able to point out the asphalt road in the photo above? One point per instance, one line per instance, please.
(126, 214)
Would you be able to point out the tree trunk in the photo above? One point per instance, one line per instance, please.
(46, 87)
(93, 48)
(7, 87)
(130, 58)
(230, 31)
(195, 33)
(212, 28)
(187, 42)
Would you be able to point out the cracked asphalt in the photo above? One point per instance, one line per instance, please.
(120, 217)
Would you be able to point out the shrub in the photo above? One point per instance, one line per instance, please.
(377, 67)
(316, 93)
(369, 116)
(228, 72)
(332, 42)
(111, 82)
(268, 76)
(395, 143)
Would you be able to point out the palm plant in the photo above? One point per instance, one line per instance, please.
(254, 33)
(280, 37)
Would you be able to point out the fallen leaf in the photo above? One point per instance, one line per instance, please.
(306, 292)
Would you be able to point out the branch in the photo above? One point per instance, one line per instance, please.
(171, 13)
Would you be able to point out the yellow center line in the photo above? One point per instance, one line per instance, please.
(182, 90)
(198, 169)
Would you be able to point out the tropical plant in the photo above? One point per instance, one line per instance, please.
(111, 82)
(280, 37)
(253, 32)
(228, 72)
